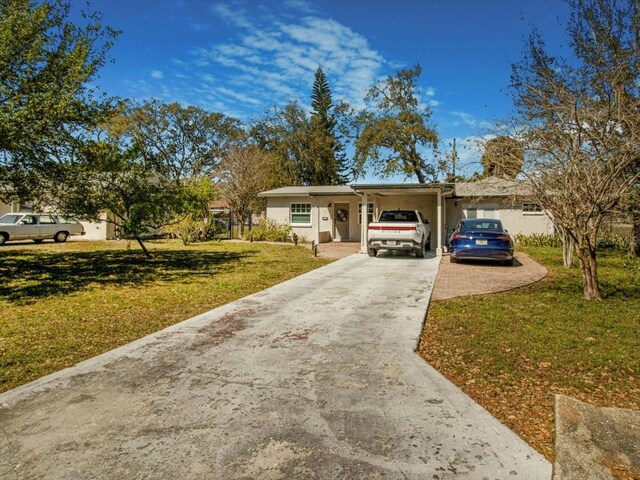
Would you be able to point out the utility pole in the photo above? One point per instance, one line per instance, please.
(454, 158)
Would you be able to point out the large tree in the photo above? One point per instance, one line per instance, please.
(328, 162)
(47, 101)
(397, 134)
(579, 123)
(112, 175)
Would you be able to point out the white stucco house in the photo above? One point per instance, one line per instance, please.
(335, 213)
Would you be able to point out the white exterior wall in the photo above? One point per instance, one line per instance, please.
(278, 210)
(512, 217)
(322, 226)
(97, 230)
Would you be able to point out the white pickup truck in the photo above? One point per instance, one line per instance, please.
(399, 230)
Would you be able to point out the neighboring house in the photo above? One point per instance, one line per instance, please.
(102, 230)
(334, 213)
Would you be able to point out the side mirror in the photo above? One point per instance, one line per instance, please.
(426, 222)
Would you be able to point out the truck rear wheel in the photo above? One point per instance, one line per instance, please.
(372, 252)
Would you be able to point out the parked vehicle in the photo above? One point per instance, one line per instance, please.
(38, 227)
(481, 239)
(400, 230)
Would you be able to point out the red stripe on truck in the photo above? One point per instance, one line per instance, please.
(399, 227)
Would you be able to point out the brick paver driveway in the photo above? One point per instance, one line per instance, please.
(477, 278)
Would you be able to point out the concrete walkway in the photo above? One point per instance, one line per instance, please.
(315, 378)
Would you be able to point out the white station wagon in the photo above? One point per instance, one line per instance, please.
(38, 227)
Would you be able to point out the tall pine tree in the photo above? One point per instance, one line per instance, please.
(328, 161)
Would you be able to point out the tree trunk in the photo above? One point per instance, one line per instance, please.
(591, 285)
(144, 249)
(568, 248)
(634, 241)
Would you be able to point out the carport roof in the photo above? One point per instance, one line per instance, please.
(401, 188)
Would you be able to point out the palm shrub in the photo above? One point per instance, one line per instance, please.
(188, 229)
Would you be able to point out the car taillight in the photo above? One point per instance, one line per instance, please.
(458, 236)
(505, 238)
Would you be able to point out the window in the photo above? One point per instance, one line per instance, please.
(29, 220)
(47, 220)
(67, 220)
(301, 213)
(531, 208)
(369, 213)
(482, 211)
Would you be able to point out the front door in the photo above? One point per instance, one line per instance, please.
(341, 219)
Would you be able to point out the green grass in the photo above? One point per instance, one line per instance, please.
(513, 350)
(63, 303)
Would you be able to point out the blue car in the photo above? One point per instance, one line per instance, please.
(481, 239)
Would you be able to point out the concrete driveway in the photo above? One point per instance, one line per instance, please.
(315, 378)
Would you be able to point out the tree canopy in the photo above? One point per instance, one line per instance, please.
(502, 157)
(47, 65)
(180, 142)
(396, 134)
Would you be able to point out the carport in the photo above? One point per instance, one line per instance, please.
(428, 199)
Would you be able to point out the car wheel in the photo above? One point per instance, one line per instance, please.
(3, 238)
(420, 251)
(372, 252)
(428, 247)
(60, 237)
(38, 240)
(453, 259)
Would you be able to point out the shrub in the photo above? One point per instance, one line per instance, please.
(270, 231)
(609, 240)
(189, 229)
(538, 240)
(614, 241)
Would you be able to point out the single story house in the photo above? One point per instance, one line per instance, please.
(335, 213)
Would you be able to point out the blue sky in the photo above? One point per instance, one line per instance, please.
(244, 57)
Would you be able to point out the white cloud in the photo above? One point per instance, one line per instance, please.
(277, 60)
(464, 118)
(157, 74)
(430, 92)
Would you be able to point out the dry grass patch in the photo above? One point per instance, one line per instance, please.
(513, 351)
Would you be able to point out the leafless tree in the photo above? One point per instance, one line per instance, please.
(243, 173)
(578, 122)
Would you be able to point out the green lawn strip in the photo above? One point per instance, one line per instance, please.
(512, 351)
(65, 303)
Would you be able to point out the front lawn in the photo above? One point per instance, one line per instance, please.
(513, 351)
(63, 303)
